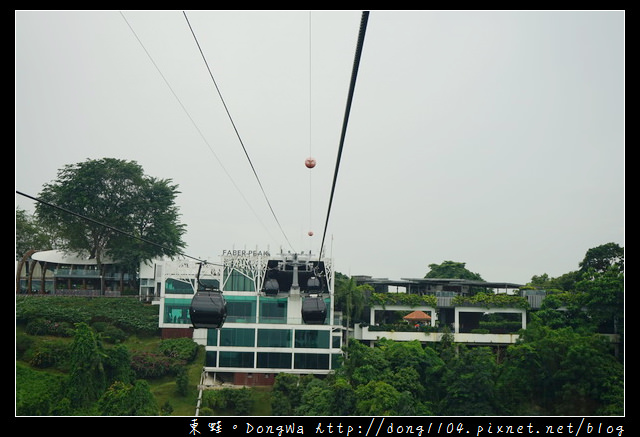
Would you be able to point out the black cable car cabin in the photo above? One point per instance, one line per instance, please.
(208, 307)
(282, 276)
(308, 277)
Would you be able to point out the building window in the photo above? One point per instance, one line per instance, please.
(337, 342)
(212, 337)
(307, 338)
(177, 311)
(273, 310)
(241, 309)
(336, 361)
(211, 359)
(178, 286)
(237, 280)
(311, 361)
(274, 338)
(237, 337)
(236, 359)
(274, 360)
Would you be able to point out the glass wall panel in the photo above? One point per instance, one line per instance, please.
(237, 337)
(311, 361)
(241, 309)
(336, 361)
(178, 286)
(236, 359)
(236, 280)
(336, 342)
(274, 360)
(274, 338)
(177, 311)
(273, 310)
(210, 359)
(212, 337)
(312, 338)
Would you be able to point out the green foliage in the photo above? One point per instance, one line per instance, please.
(51, 353)
(37, 392)
(118, 194)
(470, 383)
(87, 379)
(29, 234)
(377, 398)
(180, 348)
(182, 381)
(237, 400)
(150, 365)
(412, 300)
(452, 269)
(128, 315)
(122, 399)
(42, 326)
(560, 371)
(492, 300)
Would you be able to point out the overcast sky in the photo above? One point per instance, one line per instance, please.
(493, 138)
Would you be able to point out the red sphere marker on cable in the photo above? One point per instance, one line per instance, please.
(310, 162)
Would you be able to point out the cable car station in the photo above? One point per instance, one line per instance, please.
(257, 314)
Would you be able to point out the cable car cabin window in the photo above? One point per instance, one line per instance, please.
(241, 309)
(178, 286)
(177, 311)
(273, 310)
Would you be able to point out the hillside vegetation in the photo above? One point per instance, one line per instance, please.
(104, 356)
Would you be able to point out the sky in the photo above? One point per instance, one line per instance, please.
(491, 138)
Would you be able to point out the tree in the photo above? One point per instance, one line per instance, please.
(377, 398)
(349, 297)
(602, 257)
(111, 208)
(29, 234)
(553, 371)
(469, 382)
(452, 269)
(122, 399)
(87, 379)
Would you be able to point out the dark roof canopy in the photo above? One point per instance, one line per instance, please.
(407, 282)
(468, 282)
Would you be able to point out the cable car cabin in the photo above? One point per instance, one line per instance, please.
(314, 310)
(288, 273)
(208, 309)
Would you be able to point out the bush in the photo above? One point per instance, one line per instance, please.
(113, 335)
(53, 353)
(23, 343)
(181, 348)
(148, 365)
(42, 326)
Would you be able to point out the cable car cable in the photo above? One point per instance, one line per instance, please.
(236, 130)
(193, 122)
(144, 240)
(354, 74)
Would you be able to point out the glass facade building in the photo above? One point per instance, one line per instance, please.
(262, 334)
